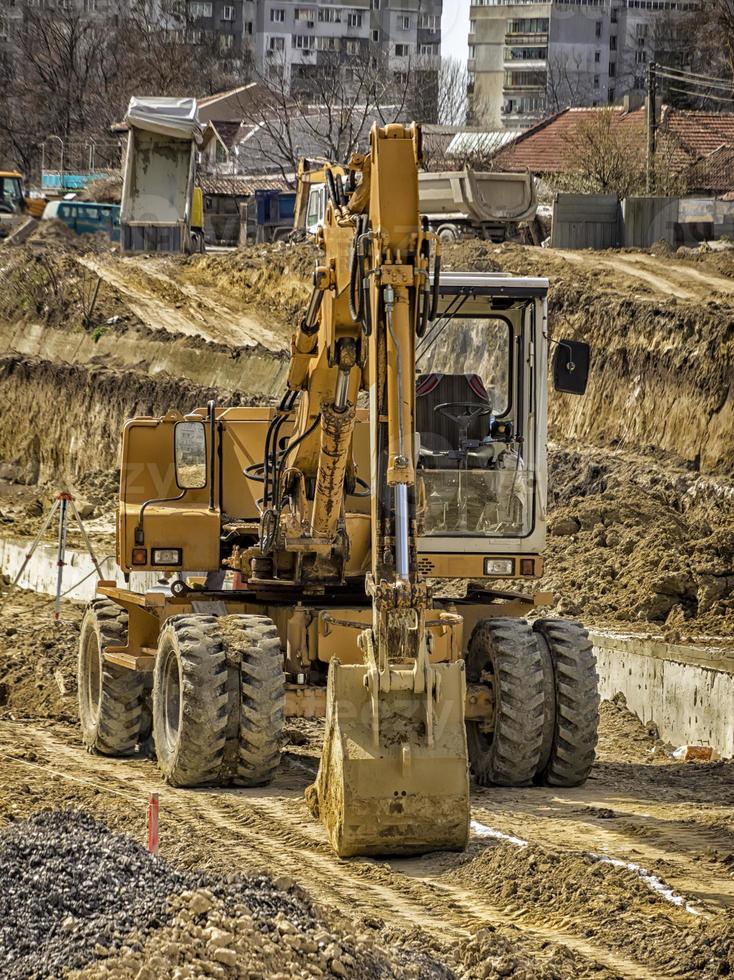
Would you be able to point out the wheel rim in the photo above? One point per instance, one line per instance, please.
(92, 674)
(486, 738)
(171, 701)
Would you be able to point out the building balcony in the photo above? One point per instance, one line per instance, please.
(534, 39)
(522, 64)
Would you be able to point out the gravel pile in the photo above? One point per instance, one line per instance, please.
(74, 896)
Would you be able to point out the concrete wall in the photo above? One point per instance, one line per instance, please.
(687, 691)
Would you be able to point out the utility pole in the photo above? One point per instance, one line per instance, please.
(651, 107)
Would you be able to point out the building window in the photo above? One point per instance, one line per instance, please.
(276, 44)
(472, 52)
(431, 22)
(432, 49)
(615, 15)
(305, 13)
(226, 41)
(611, 95)
(227, 13)
(354, 20)
(613, 42)
(353, 47)
(404, 23)
(596, 81)
(277, 15)
(612, 69)
(376, 37)
(529, 25)
(598, 28)
(402, 50)
(597, 57)
(640, 57)
(303, 42)
(330, 15)
(200, 10)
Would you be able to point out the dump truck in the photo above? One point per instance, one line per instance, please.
(16, 207)
(365, 553)
(161, 208)
(456, 204)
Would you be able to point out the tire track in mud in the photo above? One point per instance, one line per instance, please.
(670, 847)
(256, 830)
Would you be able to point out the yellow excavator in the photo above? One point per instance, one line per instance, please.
(342, 556)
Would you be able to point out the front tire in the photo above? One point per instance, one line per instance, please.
(110, 697)
(190, 702)
(504, 653)
(572, 710)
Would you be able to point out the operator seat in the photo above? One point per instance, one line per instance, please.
(437, 432)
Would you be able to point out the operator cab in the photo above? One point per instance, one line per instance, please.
(480, 413)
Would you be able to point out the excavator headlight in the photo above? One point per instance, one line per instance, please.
(166, 556)
(499, 566)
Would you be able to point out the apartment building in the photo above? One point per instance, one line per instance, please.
(527, 60)
(298, 35)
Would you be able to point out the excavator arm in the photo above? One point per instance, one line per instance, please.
(394, 773)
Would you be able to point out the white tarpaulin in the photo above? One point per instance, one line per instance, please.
(176, 118)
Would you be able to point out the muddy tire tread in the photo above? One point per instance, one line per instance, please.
(519, 717)
(262, 701)
(573, 748)
(120, 721)
(197, 759)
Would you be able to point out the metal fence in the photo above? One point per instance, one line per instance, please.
(600, 221)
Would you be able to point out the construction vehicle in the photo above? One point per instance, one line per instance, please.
(366, 526)
(456, 204)
(15, 206)
(161, 208)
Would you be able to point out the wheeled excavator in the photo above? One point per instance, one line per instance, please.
(363, 553)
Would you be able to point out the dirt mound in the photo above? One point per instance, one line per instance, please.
(76, 895)
(275, 278)
(633, 541)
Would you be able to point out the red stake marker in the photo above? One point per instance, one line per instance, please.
(153, 812)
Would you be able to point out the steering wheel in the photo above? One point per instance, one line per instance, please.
(466, 414)
(7, 209)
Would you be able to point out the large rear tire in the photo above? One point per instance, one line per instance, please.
(572, 703)
(504, 653)
(110, 697)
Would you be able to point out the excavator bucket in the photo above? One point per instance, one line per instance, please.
(393, 787)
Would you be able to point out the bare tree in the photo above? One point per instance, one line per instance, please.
(325, 109)
(602, 156)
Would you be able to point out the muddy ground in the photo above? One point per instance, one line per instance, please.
(631, 875)
(543, 901)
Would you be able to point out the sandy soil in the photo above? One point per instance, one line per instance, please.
(541, 905)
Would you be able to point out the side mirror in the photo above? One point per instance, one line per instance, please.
(190, 455)
(571, 363)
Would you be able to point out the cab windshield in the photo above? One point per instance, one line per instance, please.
(472, 479)
(11, 193)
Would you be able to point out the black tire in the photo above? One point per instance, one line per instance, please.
(191, 702)
(218, 700)
(505, 652)
(262, 705)
(110, 697)
(572, 707)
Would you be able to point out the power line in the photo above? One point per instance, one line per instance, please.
(690, 81)
(700, 95)
(693, 74)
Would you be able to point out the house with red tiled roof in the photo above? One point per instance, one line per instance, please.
(686, 140)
